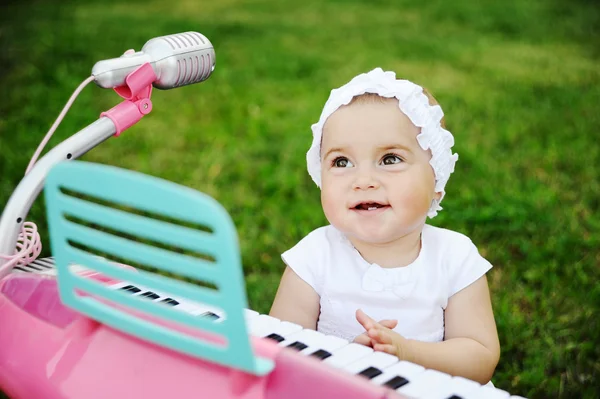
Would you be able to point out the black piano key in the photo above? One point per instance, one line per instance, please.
(35, 267)
(275, 337)
(20, 268)
(170, 301)
(455, 397)
(131, 289)
(396, 382)
(210, 315)
(370, 372)
(42, 263)
(150, 294)
(298, 345)
(321, 354)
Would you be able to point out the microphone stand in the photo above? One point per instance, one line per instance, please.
(136, 93)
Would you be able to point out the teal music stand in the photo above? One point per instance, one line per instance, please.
(99, 208)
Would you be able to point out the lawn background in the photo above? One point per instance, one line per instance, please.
(518, 80)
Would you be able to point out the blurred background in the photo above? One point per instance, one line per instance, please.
(518, 81)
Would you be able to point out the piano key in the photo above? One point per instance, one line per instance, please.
(275, 337)
(305, 336)
(262, 323)
(321, 354)
(199, 309)
(34, 267)
(370, 372)
(424, 382)
(327, 343)
(297, 345)
(120, 284)
(283, 329)
(210, 315)
(309, 341)
(130, 288)
(150, 295)
(376, 360)
(250, 314)
(396, 382)
(48, 264)
(456, 388)
(348, 354)
(405, 370)
(169, 301)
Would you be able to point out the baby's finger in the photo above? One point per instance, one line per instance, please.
(380, 335)
(364, 320)
(391, 324)
(387, 348)
(363, 339)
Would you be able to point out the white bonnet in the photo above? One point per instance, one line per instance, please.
(413, 103)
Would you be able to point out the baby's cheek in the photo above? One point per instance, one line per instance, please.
(417, 200)
(329, 202)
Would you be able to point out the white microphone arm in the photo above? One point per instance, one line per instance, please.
(177, 60)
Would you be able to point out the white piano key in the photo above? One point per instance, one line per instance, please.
(326, 343)
(49, 272)
(425, 382)
(457, 386)
(30, 268)
(348, 354)
(487, 392)
(118, 285)
(34, 267)
(262, 322)
(310, 338)
(404, 369)
(44, 262)
(283, 329)
(250, 314)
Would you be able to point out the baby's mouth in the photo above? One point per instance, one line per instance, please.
(370, 206)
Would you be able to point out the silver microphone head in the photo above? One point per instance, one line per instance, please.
(177, 60)
(182, 59)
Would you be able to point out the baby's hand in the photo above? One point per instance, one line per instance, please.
(381, 337)
(364, 339)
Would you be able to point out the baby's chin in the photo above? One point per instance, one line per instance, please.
(373, 236)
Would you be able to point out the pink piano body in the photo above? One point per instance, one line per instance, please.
(50, 351)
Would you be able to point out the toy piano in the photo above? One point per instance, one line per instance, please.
(144, 295)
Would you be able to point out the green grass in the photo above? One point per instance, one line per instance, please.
(518, 80)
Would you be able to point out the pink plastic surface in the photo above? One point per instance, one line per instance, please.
(136, 92)
(48, 351)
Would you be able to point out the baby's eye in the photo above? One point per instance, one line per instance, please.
(341, 162)
(391, 159)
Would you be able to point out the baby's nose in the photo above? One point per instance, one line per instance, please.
(365, 180)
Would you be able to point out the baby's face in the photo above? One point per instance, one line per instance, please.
(377, 184)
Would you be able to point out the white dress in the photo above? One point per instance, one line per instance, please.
(415, 295)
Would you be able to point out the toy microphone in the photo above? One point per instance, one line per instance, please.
(177, 60)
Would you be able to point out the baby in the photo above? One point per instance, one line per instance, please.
(378, 274)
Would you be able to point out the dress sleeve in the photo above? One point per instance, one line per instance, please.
(305, 259)
(468, 269)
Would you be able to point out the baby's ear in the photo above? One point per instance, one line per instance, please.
(437, 196)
